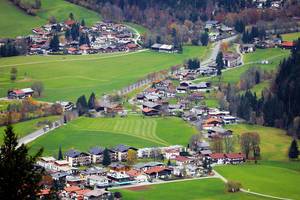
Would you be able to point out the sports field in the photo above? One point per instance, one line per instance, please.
(279, 179)
(137, 131)
(206, 189)
(14, 22)
(68, 77)
(24, 128)
(274, 142)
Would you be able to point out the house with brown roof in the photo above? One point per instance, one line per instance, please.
(159, 171)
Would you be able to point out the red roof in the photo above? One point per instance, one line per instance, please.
(18, 92)
(44, 192)
(182, 159)
(82, 192)
(146, 110)
(156, 169)
(235, 156)
(72, 49)
(133, 173)
(132, 46)
(84, 47)
(70, 22)
(72, 189)
(217, 156)
(288, 44)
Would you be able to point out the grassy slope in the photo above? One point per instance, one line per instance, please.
(15, 22)
(136, 131)
(290, 36)
(67, 77)
(268, 178)
(193, 190)
(274, 142)
(24, 128)
(141, 29)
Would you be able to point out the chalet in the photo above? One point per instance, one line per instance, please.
(163, 48)
(211, 24)
(182, 160)
(181, 90)
(140, 97)
(118, 178)
(150, 112)
(132, 46)
(97, 194)
(118, 167)
(96, 154)
(109, 107)
(137, 175)
(59, 176)
(97, 181)
(218, 158)
(232, 59)
(247, 48)
(235, 158)
(228, 119)
(205, 153)
(151, 105)
(287, 45)
(219, 132)
(212, 122)
(202, 86)
(76, 158)
(158, 172)
(20, 94)
(200, 146)
(171, 153)
(66, 106)
(152, 97)
(84, 49)
(121, 151)
(146, 166)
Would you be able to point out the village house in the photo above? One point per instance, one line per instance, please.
(76, 158)
(163, 48)
(118, 178)
(212, 122)
(219, 132)
(96, 181)
(182, 160)
(158, 172)
(137, 175)
(121, 151)
(151, 108)
(247, 48)
(146, 166)
(229, 158)
(228, 119)
(118, 167)
(96, 154)
(97, 194)
(287, 45)
(232, 59)
(20, 94)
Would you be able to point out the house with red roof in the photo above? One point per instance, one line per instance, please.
(137, 175)
(158, 171)
(288, 45)
(182, 160)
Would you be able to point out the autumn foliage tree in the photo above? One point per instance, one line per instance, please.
(250, 142)
(131, 157)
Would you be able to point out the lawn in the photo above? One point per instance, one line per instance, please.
(136, 131)
(274, 179)
(290, 36)
(206, 189)
(14, 22)
(68, 77)
(141, 29)
(274, 142)
(24, 128)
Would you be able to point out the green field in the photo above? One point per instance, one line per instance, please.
(14, 22)
(290, 36)
(24, 128)
(274, 142)
(68, 77)
(84, 133)
(206, 189)
(280, 179)
(142, 30)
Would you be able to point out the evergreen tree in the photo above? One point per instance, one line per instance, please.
(19, 176)
(54, 43)
(82, 105)
(293, 150)
(82, 22)
(219, 60)
(60, 154)
(92, 101)
(71, 16)
(106, 158)
(239, 26)
(204, 38)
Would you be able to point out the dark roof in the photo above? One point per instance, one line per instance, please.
(96, 150)
(122, 148)
(74, 153)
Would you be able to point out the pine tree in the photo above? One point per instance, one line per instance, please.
(71, 16)
(91, 102)
(82, 105)
(219, 60)
(82, 22)
(204, 38)
(60, 155)
(18, 174)
(54, 43)
(106, 157)
(293, 151)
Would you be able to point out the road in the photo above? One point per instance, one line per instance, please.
(32, 136)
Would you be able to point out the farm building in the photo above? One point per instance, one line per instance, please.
(163, 48)
(20, 94)
(247, 48)
(232, 59)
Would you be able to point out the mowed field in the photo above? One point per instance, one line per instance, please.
(206, 189)
(279, 179)
(136, 131)
(68, 77)
(15, 22)
(24, 128)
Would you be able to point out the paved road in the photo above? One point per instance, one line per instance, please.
(32, 136)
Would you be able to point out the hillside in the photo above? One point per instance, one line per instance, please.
(20, 23)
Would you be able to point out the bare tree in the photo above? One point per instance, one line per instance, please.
(38, 87)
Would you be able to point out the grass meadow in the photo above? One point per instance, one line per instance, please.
(15, 22)
(136, 131)
(290, 36)
(206, 189)
(68, 77)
